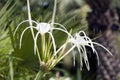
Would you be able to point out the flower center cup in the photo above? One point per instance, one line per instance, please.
(43, 28)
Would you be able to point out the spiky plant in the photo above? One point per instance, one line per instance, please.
(104, 21)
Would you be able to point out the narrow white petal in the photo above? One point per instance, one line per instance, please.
(22, 35)
(60, 26)
(73, 54)
(85, 53)
(91, 44)
(102, 47)
(86, 58)
(35, 42)
(21, 24)
(87, 39)
(53, 42)
(97, 57)
(63, 31)
(81, 63)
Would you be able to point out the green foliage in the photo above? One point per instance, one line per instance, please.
(23, 64)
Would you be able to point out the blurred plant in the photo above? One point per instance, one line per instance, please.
(115, 4)
(5, 14)
(103, 19)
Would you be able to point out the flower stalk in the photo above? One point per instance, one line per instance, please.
(54, 11)
(39, 75)
(11, 66)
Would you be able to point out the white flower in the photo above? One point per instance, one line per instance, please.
(80, 41)
(44, 28)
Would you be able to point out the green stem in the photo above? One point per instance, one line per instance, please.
(29, 13)
(54, 11)
(43, 46)
(39, 75)
(11, 66)
(65, 54)
(31, 28)
(79, 75)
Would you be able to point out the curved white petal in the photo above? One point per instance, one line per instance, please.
(35, 42)
(87, 39)
(22, 35)
(62, 31)
(73, 54)
(97, 57)
(81, 63)
(21, 24)
(102, 47)
(60, 26)
(53, 42)
(86, 58)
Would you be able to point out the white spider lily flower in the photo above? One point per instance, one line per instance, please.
(44, 28)
(80, 41)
